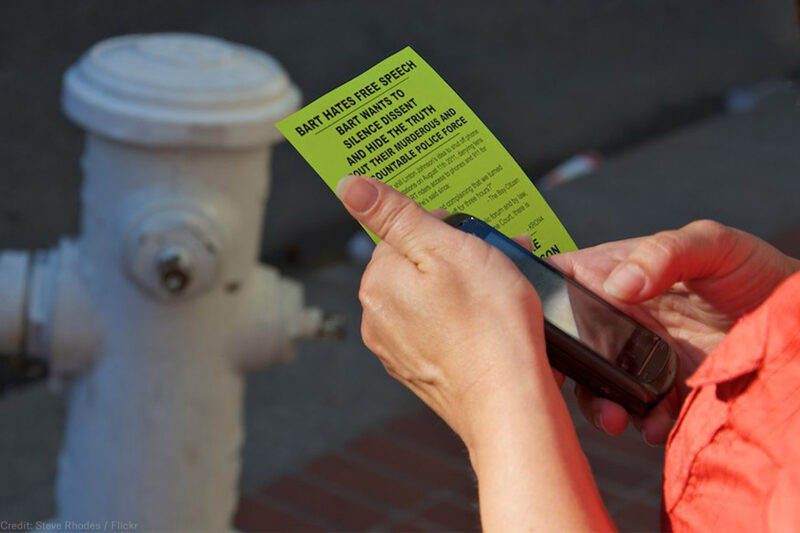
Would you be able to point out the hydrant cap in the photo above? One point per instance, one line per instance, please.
(179, 89)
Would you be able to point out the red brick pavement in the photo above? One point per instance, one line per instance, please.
(413, 474)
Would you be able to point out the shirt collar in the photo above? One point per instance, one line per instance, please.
(741, 352)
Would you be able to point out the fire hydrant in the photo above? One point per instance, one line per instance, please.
(154, 313)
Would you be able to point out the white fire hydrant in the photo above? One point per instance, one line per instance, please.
(156, 311)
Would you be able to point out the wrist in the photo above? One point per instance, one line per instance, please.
(531, 471)
(504, 401)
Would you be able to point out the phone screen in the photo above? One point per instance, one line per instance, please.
(581, 314)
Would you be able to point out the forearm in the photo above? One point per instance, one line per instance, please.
(532, 473)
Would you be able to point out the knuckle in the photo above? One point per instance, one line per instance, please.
(475, 251)
(710, 229)
(665, 244)
(397, 218)
(366, 292)
(390, 370)
(368, 289)
(367, 333)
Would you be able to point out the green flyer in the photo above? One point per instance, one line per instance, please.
(401, 123)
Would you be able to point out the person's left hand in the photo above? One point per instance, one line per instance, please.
(447, 314)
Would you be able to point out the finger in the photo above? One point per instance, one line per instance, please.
(441, 214)
(558, 376)
(700, 249)
(657, 423)
(394, 217)
(607, 416)
(591, 266)
(523, 240)
(565, 262)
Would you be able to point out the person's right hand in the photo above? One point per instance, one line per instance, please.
(692, 284)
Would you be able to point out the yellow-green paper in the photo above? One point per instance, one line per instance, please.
(402, 124)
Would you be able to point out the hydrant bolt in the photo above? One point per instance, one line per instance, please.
(174, 252)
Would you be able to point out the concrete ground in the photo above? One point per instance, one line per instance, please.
(575, 75)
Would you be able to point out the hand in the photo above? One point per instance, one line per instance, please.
(691, 284)
(453, 319)
(448, 315)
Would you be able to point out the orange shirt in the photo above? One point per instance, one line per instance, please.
(733, 457)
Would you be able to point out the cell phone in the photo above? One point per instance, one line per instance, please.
(587, 338)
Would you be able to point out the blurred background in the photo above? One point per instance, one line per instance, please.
(686, 110)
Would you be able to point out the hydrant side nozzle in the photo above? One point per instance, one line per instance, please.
(16, 369)
(265, 319)
(309, 322)
(47, 317)
(322, 325)
(62, 323)
(333, 326)
(14, 271)
(273, 318)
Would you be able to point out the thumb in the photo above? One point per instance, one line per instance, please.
(393, 217)
(701, 249)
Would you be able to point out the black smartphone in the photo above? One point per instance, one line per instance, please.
(587, 338)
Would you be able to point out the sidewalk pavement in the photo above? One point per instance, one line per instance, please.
(332, 423)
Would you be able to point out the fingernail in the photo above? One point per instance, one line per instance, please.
(598, 422)
(647, 441)
(655, 433)
(625, 281)
(357, 193)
